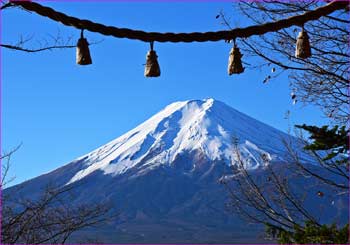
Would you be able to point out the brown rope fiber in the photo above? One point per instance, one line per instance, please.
(298, 20)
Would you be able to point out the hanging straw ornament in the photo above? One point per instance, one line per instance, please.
(83, 53)
(303, 49)
(234, 61)
(152, 68)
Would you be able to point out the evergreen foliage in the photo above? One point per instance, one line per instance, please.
(311, 233)
(335, 139)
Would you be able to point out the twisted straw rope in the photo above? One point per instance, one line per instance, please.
(298, 20)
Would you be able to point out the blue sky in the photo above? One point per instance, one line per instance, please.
(60, 111)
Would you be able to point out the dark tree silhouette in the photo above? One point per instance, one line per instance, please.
(50, 218)
(321, 80)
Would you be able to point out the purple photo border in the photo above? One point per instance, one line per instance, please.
(1, 102)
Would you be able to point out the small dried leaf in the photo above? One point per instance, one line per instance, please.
(320, 193)
(293, 95)
(267, 79)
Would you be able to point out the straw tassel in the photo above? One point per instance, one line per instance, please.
(152, 68)
(234, 61)
(83, 53)
(303, 49)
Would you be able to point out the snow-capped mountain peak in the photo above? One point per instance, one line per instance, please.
(163, 177)
(207, 126)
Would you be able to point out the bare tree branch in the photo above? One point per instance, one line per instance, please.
(36, 50)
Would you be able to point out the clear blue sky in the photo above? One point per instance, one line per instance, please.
(60, 110)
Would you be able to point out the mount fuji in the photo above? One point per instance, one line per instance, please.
(205, 126)
(162, 176)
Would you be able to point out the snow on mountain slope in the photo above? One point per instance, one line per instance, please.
(206, 125)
